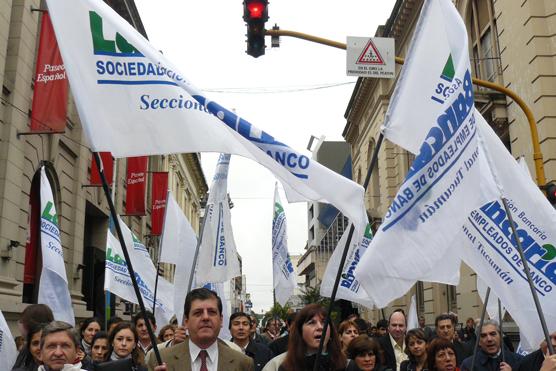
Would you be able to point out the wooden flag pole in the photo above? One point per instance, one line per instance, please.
(130, 269)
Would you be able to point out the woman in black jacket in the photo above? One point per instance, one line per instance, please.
(32, 348)
(304, 342)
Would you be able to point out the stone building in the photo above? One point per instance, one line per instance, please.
(510, 43)
(82, 210)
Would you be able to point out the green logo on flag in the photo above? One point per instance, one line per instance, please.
(278, 209)
(49, 213)
(102, 46)
(449, 71)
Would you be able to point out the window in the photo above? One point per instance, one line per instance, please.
(486, 53)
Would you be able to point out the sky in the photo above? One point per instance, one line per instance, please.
(292, 92)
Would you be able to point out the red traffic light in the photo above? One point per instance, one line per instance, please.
(256, 10)
(550, 189)
(255, 14)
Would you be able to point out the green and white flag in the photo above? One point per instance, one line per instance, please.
(53, 286)
(133, 101)
(282, 268)
(349, 287)
(118, 281)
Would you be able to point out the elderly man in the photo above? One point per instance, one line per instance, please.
(58, 348)
(489, 356)
(446, 329)
(202, 350)
(393, 343)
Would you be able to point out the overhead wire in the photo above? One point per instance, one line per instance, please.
(277, 90)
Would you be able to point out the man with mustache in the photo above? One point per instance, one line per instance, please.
(202, 351)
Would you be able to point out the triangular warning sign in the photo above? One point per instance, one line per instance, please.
(370, 55)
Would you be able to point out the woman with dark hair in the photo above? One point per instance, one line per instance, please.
(123, 345)
(32, 346)
(303, 344)
(87, 331)
(166, 333)
(441, 355)
(347, 331)
(365, 355)
(31, 316)
(100, 347)
(416, 349)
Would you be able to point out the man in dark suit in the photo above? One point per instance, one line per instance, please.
(393, 343)
(446, 329)
(240, 324)
(202, 351)
(490, 356)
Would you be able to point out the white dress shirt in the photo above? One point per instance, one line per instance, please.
(212, 359)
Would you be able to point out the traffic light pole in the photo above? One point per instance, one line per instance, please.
(537, 153)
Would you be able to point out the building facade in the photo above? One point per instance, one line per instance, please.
(82, 210)
(325, 224)
(511, 44)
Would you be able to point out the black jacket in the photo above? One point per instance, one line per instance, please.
(485, 363)
(260, 353)
(532, 362)
(388, 352)
(280, 345)
(462, 352)
(410, 366)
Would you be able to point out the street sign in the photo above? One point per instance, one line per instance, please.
(370, 57)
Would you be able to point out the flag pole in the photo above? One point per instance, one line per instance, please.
(372, 164)
(157, 275)
(501, 331)
(196, 255)
(529, 279)
(478, 336)
(130, 269)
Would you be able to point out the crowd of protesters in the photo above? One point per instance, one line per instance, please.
(353, 345)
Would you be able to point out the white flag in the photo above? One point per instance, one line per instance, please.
(178, 247)
(349, 287)
(218, 287)
(132, 101)
(282, 269)
(523, 164)
(8, 350)
(432, 114)
(218, 261)
(492, 305)
(412, 317)
(491, 249)
(53, 285)
(118, 281)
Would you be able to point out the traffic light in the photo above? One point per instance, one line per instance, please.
(550, 189)
(255, 14)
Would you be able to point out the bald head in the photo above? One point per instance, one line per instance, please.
(397, 326)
